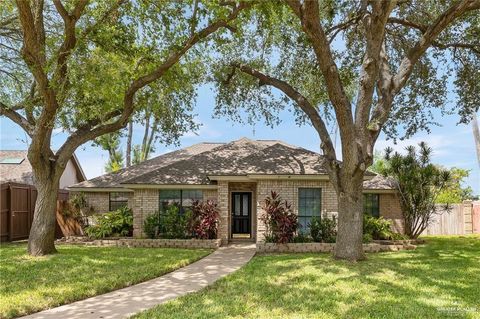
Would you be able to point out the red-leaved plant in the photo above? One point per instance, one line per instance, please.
(280, 222)
(204, 222)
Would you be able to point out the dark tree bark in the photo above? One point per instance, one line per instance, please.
(476, 136)
(47, 165)
(360, 124)
(42, 233)
(128, 156)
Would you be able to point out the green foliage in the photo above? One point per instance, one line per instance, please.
(367, 238)
(280, 222)
(453, 191)
(111, 143)
(323, 230)
(173, 224)
(273, 42)
(77, 272)
(151, 225)
(302, 238)
(376, 228)
(204, 220)
(419, 184)
(116, 223)
(380, 164)
(437, 280)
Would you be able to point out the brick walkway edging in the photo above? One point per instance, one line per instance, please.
(146, 243)
(327, 247)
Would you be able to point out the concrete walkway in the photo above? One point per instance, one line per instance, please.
(128, 301)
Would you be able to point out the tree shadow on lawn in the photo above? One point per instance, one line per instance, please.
(76, 272)
(407, 284)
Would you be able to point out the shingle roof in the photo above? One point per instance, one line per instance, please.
(194, 164)
(380, 182)
(22, 172)
(223, 160)
(114, 179)
(18, 173)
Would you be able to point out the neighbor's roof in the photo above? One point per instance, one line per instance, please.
(15, 167)
(193, 165)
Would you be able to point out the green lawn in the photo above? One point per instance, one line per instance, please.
(29, 284)
(438, 280)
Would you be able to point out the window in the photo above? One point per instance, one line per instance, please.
(183, 198)
(12, 160)
(118, 200)
(371, 204)
(309, 205)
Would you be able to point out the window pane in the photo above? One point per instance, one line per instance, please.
(309, 205)
(189, 196)
(237, 204)
(168, 197)
(245, 205)
(118, 196)
(371, 204)
(117, 204)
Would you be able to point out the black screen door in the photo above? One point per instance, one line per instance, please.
(241, 212)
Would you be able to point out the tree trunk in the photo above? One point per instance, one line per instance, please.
(349, 243)
(129, 144)
(42, 233)
(476, 136)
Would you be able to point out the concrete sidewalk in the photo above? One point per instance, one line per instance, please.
(130, 300)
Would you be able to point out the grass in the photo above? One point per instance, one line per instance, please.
(29, 284)
(438, 280)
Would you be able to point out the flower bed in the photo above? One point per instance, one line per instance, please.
(326, 247)
(145, 243)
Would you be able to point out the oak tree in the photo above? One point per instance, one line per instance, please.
(81, 66)
(362, 66)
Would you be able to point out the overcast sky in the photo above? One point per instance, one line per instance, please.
(452, 144)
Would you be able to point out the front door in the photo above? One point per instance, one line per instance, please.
(241, 214)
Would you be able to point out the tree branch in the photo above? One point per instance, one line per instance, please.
(308, 13)
(374, 26)
(312, 113)
(16, 118)
(88, 131)
(70, 40)
(427, 39)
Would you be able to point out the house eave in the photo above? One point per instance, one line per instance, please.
(323, 177)
(169, 186)
(99, 189)
(379, 191)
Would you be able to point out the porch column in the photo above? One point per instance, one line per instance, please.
(223, 209)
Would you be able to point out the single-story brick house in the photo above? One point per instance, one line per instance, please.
(238, 176)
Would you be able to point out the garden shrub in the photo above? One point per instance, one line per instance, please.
(205, 219)
(280, 222)
(323, 230)
(302, 238)
(173, 224)
(367, 238)
(151, 225)
(116, 223)
(377, 228)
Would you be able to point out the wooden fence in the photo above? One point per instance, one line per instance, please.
(17, 202)
(462, 219)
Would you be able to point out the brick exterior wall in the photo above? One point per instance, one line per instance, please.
(145, 202)
(223, 209)
(100, 201)
(288, 190)
(390, 209)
